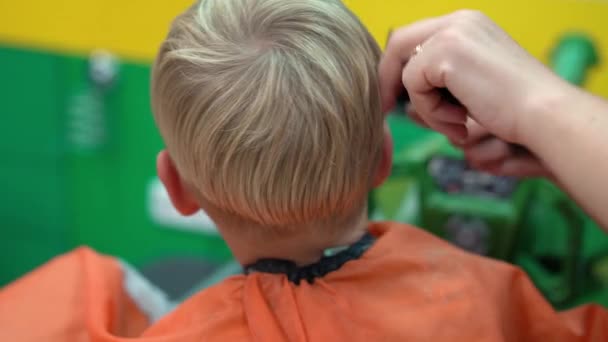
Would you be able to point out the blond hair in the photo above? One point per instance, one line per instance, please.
(270, 109)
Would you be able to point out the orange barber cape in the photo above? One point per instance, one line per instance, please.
(409, 286)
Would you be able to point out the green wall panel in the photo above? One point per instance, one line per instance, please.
(33, 212)
(79, 158)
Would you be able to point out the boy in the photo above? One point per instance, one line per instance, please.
(271, 115)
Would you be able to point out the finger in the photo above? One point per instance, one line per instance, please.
(455, 132)
(491, 168)
(399, 48)
(523, 167)
(409, 108)
(424, 96)
(416, 118)
(476, 133)
(487, 151)
(438, 113)
(449, 113)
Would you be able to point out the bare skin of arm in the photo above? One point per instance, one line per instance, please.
(569, 133)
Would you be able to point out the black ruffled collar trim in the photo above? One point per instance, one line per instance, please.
(319, 269)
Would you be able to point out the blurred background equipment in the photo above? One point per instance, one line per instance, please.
(79, 147)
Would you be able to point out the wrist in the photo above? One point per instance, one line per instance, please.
(543, 111)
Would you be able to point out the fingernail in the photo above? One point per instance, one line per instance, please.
(409, 108)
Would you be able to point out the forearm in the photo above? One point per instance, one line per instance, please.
(569, 133)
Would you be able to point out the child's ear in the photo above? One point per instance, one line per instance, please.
(386, 160)
(180, 196)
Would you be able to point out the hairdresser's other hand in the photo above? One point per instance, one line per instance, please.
(498, 83)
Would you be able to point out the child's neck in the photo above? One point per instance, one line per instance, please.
(303, 249)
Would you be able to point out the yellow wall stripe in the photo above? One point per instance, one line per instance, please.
(134, 28)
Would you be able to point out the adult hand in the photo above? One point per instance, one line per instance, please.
(486, 152)
(497, 82)
(507, 92)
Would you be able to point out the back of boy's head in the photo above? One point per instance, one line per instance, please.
(270, 109)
